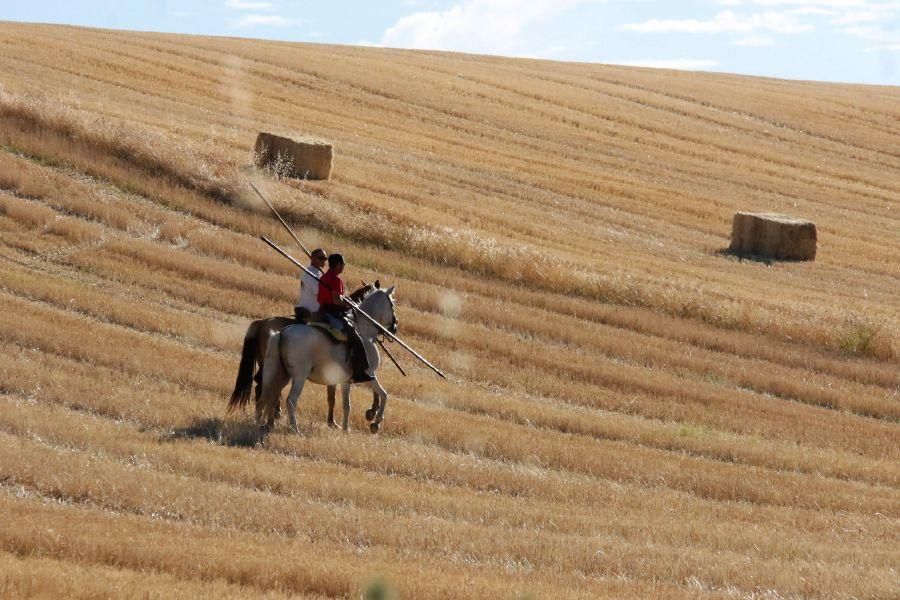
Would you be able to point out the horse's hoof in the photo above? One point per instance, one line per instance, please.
(373, 427)
(370, 414)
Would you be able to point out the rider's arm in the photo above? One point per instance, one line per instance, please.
(336, 299)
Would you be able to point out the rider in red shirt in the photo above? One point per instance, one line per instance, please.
(331, 303)
(331, 286)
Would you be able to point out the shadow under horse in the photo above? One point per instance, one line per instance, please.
(241, 435)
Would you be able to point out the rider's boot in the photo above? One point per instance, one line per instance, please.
(359, 361)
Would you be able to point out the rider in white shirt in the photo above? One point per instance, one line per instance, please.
(309, 287)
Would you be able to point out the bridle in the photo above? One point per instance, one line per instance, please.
(395, 324)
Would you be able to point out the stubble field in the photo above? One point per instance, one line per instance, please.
(630, 411)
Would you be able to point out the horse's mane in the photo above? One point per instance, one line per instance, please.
(367, 290)
(362, 293)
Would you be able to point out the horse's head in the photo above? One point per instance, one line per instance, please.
(379, 304)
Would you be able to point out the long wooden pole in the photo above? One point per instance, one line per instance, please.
(391, 356)
(356, 308)
(290, 231)
(309, 254)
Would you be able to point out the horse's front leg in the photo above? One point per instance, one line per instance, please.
(370, 414)
(381, 396)
(331, 397)
(345, 394)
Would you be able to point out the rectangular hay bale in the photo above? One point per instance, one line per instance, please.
(773, 235)
(304, 158)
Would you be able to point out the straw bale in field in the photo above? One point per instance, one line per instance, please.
(304, 158)
(773, 236)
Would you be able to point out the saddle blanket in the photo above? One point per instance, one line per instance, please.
(333, 332)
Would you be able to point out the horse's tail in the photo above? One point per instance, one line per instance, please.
(275, 377)
(244, 383)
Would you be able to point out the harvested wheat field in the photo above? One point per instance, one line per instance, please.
(630, 410)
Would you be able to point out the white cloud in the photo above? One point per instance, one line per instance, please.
(681, 64)
(489, 26)
(849, 18)
(725, 22)
(261, 20)
(812, 3)
(516, 27)
(829, 7)
(872, 20)
(874, 34)
(812, 10)
(755, 41)
(876, 13)
(244, 5)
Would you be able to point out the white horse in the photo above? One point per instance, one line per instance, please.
(300, 353)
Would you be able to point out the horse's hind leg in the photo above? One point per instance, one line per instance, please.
(293, 396)
(259, 378)
(345, 393)
(270, 399)
(331, 396)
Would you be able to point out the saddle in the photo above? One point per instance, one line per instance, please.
(341, 330)
(332, 326)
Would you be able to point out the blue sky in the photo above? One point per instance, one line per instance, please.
(827, 40)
